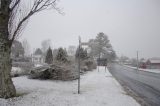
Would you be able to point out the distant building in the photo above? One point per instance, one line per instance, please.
(153, 63)
(38, 57)
(127, 62)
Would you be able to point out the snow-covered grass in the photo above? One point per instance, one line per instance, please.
(151, 70)
(148, 70)
(97, 89)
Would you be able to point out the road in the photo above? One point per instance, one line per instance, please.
(145, 84)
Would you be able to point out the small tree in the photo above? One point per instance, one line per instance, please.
(49, 56)
(61, 55)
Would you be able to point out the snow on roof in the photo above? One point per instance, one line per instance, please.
(154, 60)
(38, 52)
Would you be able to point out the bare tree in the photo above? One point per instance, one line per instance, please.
(14, 15)
(45, 45)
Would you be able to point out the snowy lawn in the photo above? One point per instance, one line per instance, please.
(148, 70)
(97, 89)
(151, 70)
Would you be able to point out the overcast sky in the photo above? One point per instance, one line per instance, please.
(131, 25)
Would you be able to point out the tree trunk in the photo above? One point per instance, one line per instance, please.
(7, 88)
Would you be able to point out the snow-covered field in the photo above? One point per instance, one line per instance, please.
(148, 70)
(151, 70)
(97, 89)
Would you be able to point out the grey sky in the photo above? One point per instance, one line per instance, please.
(131, 25)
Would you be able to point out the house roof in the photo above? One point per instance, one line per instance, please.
(38, 52)
(154, 60)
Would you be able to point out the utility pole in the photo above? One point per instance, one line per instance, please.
(99, 61)
(79, 64)
(137, 61)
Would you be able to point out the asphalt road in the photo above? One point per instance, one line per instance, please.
(145, 84)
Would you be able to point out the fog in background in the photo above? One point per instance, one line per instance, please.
(131, 25)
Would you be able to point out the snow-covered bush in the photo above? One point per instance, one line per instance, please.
(17, 71)
(42, 72)
(91, 64)
(88, 65)
(56, 71)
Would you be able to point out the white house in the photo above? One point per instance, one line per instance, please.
(38, 57)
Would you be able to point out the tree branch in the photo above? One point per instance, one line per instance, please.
(38, 5)
(15, 4)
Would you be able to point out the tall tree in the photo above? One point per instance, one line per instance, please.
(13, 19)
(61, 55)
(54, 52)
(100, 46)
(49, 56)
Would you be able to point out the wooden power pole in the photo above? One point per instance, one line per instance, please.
(137, 61)
(79, 66)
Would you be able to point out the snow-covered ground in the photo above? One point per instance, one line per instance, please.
(148, 70)
(97, 89)
(151, 70)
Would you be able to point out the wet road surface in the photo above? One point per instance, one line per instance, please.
(145, 84)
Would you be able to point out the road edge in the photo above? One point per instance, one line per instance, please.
(130, 92)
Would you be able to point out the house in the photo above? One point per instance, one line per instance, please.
(153, 63)
(38, 57)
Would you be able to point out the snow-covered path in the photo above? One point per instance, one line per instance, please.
(97, 89)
